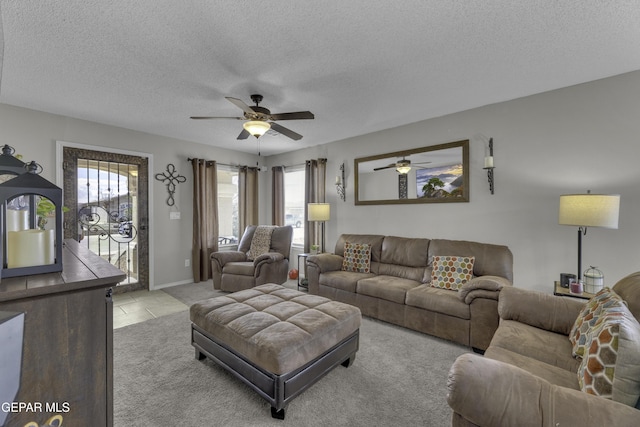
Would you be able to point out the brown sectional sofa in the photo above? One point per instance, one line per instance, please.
(397, 289)
(528, 376)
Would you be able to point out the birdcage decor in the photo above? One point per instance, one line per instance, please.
(30, 224)
(593, 280)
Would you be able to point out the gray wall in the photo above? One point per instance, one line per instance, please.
(565, 141)
(34, 134)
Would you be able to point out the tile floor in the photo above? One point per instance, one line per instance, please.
(138, 306)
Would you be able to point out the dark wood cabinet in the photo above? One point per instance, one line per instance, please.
(67, 357)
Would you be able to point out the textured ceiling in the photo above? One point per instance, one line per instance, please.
(360, 65)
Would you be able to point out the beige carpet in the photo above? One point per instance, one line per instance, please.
(398, 379)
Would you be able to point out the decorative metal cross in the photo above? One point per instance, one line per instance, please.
(171, 177)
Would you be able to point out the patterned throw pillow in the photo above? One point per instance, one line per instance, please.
(357, 257)
(610, 367)
(605, 301)
(450, 272)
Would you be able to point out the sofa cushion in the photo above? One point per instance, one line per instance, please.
(357, 257)
(404, 251)
(343, 280)
(386, 287)
(610, 366)
(438, 300)
(402, 271)
(491, 259)
(245, 268)
(553, 374)
(450, 272)
(373, 239)
(546, 346)
(605, 301)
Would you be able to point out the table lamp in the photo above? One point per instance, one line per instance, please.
(588, 210)
(319, 212)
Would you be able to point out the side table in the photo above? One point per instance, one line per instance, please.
(565, 292)
(303, 283)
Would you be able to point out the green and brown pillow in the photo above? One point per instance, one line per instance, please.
(357, 257)
(451, 272)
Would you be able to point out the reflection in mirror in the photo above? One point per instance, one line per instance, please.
(434, 174)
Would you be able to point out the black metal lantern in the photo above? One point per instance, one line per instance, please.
(10, 166)
(31, 243)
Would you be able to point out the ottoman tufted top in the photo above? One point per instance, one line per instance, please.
(276, 328)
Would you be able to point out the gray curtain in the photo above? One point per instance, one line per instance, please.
(277, 192)
(315, 176)
(247, 197)
(205, 217)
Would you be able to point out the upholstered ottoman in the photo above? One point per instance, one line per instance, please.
(277, 340)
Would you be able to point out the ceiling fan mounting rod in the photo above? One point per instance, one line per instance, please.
(257, 98)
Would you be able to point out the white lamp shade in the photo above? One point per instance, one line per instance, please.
(256, 128)
(590, 210)
(403, 169)
(318, 211)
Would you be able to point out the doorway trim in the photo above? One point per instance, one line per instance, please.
(60, 145)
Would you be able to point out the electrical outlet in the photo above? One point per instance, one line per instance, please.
(174, 215)
(187, 262)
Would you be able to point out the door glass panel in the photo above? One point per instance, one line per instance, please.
(108, 221)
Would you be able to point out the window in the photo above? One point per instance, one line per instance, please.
(294, 203)
(228, 206)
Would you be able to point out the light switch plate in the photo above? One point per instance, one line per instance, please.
(174, 215)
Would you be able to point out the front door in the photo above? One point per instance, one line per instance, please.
(107, 197)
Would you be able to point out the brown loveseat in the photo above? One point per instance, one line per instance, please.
(528, 376)
(233, 270)
(397, 289)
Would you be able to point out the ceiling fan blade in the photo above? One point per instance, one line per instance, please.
(244, 134)
(213, 118)
(392, 165)
(299, 115)
(240, 104)
(286, 132)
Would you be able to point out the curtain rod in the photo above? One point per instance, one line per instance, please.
(189, 159)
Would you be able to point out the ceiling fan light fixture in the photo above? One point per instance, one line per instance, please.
(256, 128)
(403, 166)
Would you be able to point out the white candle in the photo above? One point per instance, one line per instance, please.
(49, 247)
(17, 220)
(488, 162)
(26, 248)
(337, 180)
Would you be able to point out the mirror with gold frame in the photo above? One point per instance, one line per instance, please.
(433, 174)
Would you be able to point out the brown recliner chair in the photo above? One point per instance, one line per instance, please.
(233, 271)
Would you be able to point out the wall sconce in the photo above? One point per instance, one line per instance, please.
(340, 184)
(488, 164)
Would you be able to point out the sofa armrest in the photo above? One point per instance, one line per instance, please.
(318, 264)
(545, 311)
(482, 287)
(325, 262)
(268, 258)
(488, 392)
(270, 268)
(221, 258)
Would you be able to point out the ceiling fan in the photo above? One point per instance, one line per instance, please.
(260, 119)
(403, 166)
